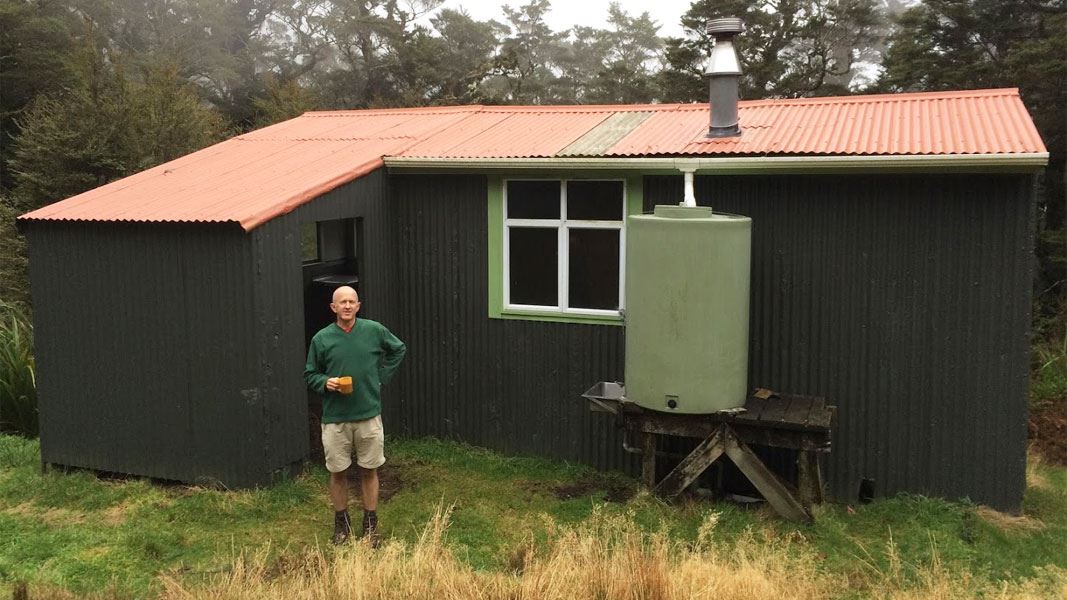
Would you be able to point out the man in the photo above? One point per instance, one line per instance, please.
(351, 413)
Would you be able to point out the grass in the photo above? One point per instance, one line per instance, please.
(468, 523)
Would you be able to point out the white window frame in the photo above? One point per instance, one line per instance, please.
(563, 225)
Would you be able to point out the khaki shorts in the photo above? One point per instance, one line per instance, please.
(366, 437)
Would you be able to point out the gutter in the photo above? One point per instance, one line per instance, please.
(1030, 161)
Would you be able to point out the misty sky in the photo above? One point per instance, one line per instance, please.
(566, 14)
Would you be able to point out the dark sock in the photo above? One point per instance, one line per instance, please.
(370, 518)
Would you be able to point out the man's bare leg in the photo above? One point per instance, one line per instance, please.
(339, 490)
(369, 488)
(342, 526)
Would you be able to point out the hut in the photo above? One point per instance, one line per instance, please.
(891, 272)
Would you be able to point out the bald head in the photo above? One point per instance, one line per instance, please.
(345, 290)
(345, 305)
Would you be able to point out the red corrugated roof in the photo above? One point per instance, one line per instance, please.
(257, 176)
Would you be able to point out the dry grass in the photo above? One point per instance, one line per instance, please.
(1009, 523)
(607, 557)
(1035, 478)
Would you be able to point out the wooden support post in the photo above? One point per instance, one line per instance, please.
(692, 466)
(648, 459)
(809, 479)
(768, 484)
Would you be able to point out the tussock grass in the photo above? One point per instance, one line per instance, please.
(513, 528)
(607, 557)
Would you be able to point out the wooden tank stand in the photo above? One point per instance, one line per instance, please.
(801, 423)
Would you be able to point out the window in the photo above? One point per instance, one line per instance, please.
(309, 242)
(330, 241)
(563, 246)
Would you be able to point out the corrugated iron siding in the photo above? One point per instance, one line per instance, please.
(514, 386)
(905, 300)
(142, 350)
(280, 295)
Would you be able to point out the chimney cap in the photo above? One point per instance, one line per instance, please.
(729, 26)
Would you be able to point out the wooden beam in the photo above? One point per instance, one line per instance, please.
(692, 466)
(746, 432)
(809, 479)
(648, 459)
(768, 484)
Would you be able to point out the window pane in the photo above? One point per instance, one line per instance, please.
(532, 262)
(533, 200)
(309, 242)
(594, 268)
(594, 200)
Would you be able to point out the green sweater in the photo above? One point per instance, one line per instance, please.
(369, 353)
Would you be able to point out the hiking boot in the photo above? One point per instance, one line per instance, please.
(342, 527)
(370, 529)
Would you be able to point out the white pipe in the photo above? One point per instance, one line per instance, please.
(690, 195)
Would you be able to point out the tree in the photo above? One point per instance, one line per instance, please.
(625, 75)
(524, 70)
(465, 56)
(35, 38)
(970, 44)
(106, 128)
(284, 99)
(14, 282)
(790, 48)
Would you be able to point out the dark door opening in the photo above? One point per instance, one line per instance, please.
(333, 256)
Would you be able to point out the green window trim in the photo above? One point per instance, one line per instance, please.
(634, 202)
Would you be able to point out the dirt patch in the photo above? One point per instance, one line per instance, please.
(48, 516)
(1009, 523)
(390, 481)
(1048, 431)
(115, 515)
(614, 491)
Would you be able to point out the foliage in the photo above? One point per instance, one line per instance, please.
(283, 100)
(35, 38)
(14, 279)
(106, 128)
(516, 523)
(789, 48)
(18, 386)
(970, 44)
(1048, 355)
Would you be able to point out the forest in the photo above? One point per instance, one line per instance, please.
(95, 90)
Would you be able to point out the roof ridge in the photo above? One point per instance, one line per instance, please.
(564, 108)
(887, 97)
(325, 138)
(353, 112)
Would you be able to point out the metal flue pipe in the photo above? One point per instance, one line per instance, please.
(724, 72)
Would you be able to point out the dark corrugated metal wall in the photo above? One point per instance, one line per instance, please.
(142, 338)
(280, 292)
(905, 299)
(509, 385)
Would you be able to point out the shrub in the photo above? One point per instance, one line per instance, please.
(18, 386)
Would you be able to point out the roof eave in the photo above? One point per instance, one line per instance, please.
(1024, 162)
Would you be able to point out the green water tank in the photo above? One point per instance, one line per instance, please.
(687, 282)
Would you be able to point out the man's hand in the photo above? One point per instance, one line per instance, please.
(333, 384)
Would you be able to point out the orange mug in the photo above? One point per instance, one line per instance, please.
(346, 384)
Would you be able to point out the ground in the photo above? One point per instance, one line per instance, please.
(491, 520)
(1048, 430)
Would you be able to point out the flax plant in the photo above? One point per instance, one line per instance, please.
(18, 385)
